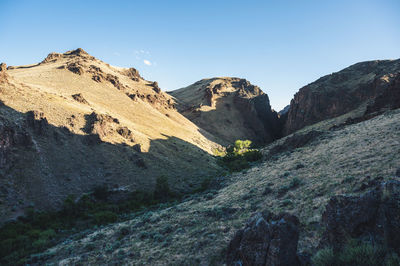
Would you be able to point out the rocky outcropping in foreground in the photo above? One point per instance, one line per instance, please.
(266, 240)
(373, 217)
(344, 91)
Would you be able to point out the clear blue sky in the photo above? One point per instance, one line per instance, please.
(278, 45)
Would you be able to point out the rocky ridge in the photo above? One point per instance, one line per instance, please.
(230, 109)
(342, 92)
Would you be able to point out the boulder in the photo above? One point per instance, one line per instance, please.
(266, 240)
(373, 216)
(79, 98)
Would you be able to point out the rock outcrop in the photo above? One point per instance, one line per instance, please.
(79, 98)
(341, 92)
(38, 122)
(10, 138)
(3, 73)
(373, 216)
(266, 240)
(229, 109)
(390, 96)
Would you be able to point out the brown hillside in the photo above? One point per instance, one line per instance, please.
(230, 109)
(73, 122)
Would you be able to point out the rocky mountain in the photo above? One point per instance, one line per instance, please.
(341, 92)
(72, 122)
(79, 132)
(229, 109)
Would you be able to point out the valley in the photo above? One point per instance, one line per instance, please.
(141, 172)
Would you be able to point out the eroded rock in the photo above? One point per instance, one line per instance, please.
(373, 216)
(3, 73)
(79, 98)
(266, 240)
(38, 122)
(343, 91)
(75, 68)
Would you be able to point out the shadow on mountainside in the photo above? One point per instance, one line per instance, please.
(248, 120)
(41, 164)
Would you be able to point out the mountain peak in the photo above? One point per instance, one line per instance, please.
(78, 52)
(53, 57)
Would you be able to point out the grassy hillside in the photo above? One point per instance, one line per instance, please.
(297, 180)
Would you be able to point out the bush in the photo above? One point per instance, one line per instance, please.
(295, 183)
(252, 156)
(101, 193)
(356, 253)
(324, 257)
(162, 191)
(105, 217)
(239, 155)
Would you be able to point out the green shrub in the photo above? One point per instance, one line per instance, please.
(40, 244)
(361, 254)
(356, 253)
(105, 217)
(253, 155)
(239, 155)
(392, 260)
(162, 191)
(324, 257)
(101, 193)
(295, 183)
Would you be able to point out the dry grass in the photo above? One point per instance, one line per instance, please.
(196, 231)
(45, 175)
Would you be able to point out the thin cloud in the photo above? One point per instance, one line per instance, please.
(147, 62)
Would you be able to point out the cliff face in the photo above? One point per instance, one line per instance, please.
(229, 109)
(341, 92)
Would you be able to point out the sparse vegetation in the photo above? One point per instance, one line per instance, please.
(239, 156)
(40, 230)
(356, 253)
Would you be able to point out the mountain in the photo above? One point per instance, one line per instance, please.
(336, 94)
(229, 109)
(78, 131)
(72, 122)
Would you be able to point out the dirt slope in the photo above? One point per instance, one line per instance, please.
(73, 122)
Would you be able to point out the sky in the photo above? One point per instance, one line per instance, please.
(277, 45)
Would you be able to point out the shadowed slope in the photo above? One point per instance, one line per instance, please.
(230, 109)
(87, 124)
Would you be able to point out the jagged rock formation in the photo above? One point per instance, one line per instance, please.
(373, 216)
(79, 98)
(230, 109)
(284, 111)
(121, 139)
(266, 240)
(343, 91)
(390, 96)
